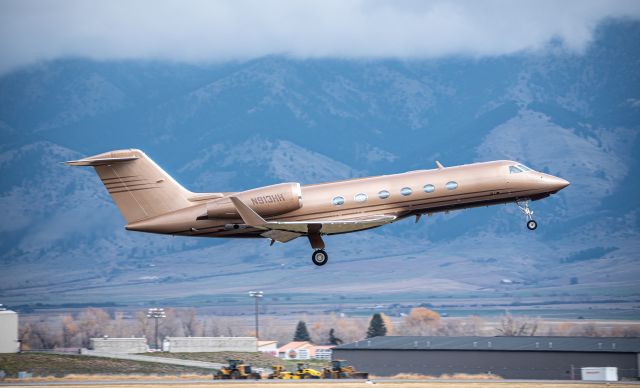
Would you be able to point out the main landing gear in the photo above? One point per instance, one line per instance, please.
(528, 213)
(319, 256)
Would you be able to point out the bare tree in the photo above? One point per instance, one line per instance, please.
(25, 334)
(522, 326)
(92, 322)
(70, 332)
(43, 336)
(141, 326)
(171, 326)
(591, 330)
(473, 325)
(391, 329)
(191, 326)
(119, 327)
(421, 321)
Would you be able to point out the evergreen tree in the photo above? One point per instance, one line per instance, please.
(302, 334)
(333, 340)
(376, 327)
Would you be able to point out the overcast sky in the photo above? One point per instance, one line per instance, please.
(214, 31)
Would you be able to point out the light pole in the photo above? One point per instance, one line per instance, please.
(256, 295)
(156, 313)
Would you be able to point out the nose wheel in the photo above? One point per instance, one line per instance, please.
(528, 213)
(319, 257)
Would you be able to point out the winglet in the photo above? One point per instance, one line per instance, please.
(249, 216)
(99, 161)
(440, 166)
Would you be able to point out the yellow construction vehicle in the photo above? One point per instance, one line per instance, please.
(280, 373)
(236, 370)
(304, 372)
(340, 369)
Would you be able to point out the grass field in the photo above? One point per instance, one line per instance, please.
(45, 364)
(258, 360)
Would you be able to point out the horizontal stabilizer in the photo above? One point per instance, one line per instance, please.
(99, 162)
(205, 197)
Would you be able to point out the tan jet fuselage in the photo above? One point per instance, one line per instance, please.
(151, 201)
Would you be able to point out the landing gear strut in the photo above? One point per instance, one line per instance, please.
(528, 213)
(320, 257)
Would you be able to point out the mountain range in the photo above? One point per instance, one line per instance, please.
(237, 125)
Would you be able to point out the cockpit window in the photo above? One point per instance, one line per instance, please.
(523, 167)
(514, 170)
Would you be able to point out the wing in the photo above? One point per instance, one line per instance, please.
(288, 230)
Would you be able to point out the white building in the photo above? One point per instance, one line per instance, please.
(8, 331)
(210, 344)
(119, 345)
(303, 350)
(323, 352)
(268, 347)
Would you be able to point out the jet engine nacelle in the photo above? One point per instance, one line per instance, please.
(266, 201)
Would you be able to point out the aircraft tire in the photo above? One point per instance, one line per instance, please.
(319, 257)
(532, 225)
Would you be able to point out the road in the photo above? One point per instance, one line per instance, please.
(162, 360)
(384, 383)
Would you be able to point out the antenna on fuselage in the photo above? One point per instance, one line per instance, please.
(440, 166)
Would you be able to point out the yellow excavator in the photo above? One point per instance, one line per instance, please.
(340, 369)
(280, 373)
(304, 372)
(237, 370)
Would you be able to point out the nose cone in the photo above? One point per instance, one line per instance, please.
(557, 184)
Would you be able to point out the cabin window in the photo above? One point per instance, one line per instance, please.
(429, 188)
(338, 201)
(514, 170)
(406, 191)
(360, 197)
(523, 167)
(451, 185)
(384, 194)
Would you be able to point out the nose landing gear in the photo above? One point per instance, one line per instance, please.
(528, 213)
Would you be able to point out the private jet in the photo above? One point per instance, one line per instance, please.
(151, 201)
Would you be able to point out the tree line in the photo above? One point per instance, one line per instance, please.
(76, 330)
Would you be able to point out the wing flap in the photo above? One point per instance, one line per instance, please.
(332, 226)
(282, 236)
(253, 219)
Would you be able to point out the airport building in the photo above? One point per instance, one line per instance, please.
(8, 331)
(119, 345)
(210, 344)
(304, 350)
(268, 347)
(556, 358)
(176, 344)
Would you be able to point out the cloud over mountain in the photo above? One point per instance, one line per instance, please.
(206, 31)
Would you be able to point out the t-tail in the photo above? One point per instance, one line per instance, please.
(138, 186)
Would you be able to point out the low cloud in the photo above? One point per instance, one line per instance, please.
(214, 31)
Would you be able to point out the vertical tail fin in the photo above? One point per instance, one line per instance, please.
(138, 186)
